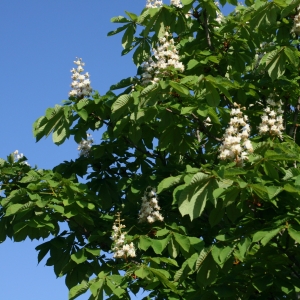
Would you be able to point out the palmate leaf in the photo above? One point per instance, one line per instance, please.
(193, 198)
(275, 63)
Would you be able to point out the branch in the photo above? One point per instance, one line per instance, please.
(207, 33)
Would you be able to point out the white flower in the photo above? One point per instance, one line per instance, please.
(176, 3)
(120, 248)
(85, 146)
(18, 156)
(166, 56)
(150, 209)
(296, 27)
(81, 85)
(272, 120)
(154, 3)
(236, 144)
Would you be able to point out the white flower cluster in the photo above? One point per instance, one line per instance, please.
(120, 249)
(154, 3)
(272, 120)
(150, 210)
(18, 156)
(176, 3)
(85, 146)
(236, 145)
(296, 27)
(166, 55)
(81, 84)
(220, 17)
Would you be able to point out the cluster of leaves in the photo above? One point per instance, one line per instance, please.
(228, 231)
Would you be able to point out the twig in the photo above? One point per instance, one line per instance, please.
(207, 34)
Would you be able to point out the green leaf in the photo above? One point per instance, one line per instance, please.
(132, 16)
(269, 235)
(193, 198)
(123, 83)
(78, 290)
(95, 252)
(207, 272)
(120, 104)
(216, 214)
(260, 190)
(192, 64)
(12, 209)
(79, 257)
(262, 283)
(59, 135)
(83, 114)
(270, 170)
(294, 234)
(275, 63)
(291, 55)
(173, 248)
(145, 242)
(149, 89)
(118, 29)
(168, 182)
(202, 256)
(163, 279)
(265, 236)
(212, 95)
(157, 246)
(183, 241)
(180, 89)
(187, 2)
(97, 289)
(119, 19)
(128, 36)
(142, 272)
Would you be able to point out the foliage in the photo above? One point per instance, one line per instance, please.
(229, 230)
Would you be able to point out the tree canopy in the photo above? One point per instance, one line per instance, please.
(193, 190)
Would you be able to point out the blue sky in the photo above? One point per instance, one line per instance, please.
(39, 42)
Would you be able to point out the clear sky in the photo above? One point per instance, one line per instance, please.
(39, 42)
